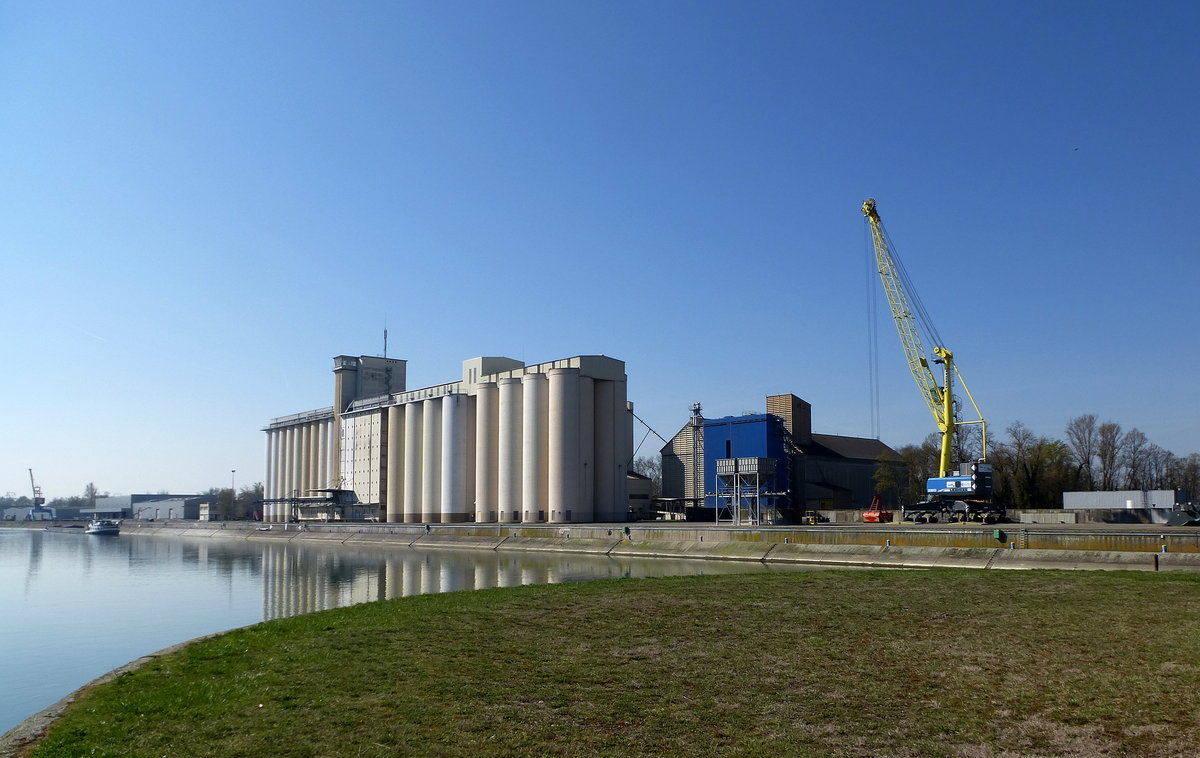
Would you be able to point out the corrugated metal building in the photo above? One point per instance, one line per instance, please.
(1128, 499)
(146, 507)
(813, 471)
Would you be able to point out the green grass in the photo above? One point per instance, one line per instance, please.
(865, 663)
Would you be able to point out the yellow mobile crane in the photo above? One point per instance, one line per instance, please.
(960, 493)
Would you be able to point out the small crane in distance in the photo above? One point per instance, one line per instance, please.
(961, 493)
(37, 491)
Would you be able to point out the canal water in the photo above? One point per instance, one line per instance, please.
(73, 606)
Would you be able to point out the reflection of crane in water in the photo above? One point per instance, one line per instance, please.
(35, 559)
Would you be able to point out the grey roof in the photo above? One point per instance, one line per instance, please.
(862, 448)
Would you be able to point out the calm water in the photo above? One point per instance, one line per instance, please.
(73, 607)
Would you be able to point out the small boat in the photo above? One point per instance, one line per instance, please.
(103, 526)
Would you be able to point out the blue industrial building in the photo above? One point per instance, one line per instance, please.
(757, 436)
(768, 465)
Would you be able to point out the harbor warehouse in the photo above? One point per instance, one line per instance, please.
(506, 443)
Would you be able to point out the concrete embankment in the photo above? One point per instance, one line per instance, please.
(891, 546)
(885, 547)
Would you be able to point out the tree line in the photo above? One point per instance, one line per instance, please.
(1032, 471)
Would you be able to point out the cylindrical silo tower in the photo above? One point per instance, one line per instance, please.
(305, 459)
(487, 417)
(269, 478)
(454, 459)
(281, 453)
(535, 407)
(289, 484)
(508, 454)
(412, 462)
(563, 445)
(329, 479)
(395, 464)
(587, 451)
(322, 476)
(603, 472)
(625, 452)
(431, 461)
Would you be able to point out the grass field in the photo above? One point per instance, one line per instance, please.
(838, 663)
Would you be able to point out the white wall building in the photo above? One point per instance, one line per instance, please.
(1127, 499)
(508, 443)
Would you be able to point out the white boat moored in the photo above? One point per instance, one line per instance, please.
(103, 526)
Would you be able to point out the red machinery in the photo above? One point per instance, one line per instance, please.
(876, 514)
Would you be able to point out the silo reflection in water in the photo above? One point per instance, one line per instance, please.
(301, 578)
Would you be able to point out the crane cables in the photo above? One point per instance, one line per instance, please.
(914, 297)
(649, 430)
(925, 329)
(872, 283)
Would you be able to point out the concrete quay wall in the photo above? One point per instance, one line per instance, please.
(957, 546)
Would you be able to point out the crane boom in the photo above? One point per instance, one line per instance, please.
(37, 491)
(909, 315)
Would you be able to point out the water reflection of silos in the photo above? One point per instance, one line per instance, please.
(486, 570)
(429, 575)
(412, 574)
(393, 577)
(450, 577)
(464, 569)
(266, 562)
(558, 571)
(532, 573)
(509, 574)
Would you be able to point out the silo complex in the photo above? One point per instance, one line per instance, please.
(509, 443)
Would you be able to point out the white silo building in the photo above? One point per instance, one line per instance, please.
(508, 443)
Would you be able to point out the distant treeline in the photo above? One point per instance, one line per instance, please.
(1032, 471)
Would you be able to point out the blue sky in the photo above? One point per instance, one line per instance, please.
(203, 203)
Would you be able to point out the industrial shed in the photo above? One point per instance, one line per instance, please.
(769, 467)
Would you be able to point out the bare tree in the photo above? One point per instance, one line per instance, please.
(920, 462)
(1031, 471)
(968, 442)
(1158, 467)
(650, 466)
(1133, 455)
(1109, 446)
(1184, 474)
(248, 501)
(1082, 438)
